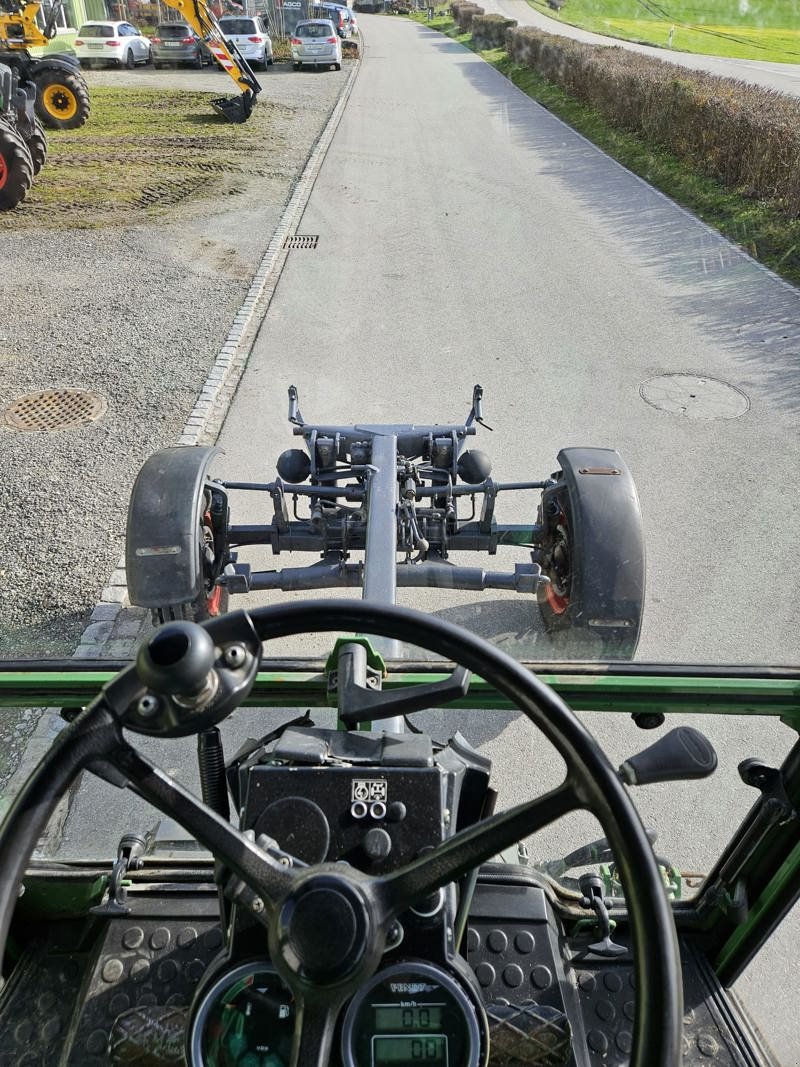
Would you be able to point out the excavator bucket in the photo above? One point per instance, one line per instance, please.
(235, 108)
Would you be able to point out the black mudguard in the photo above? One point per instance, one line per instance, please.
(608, 539)
(162, 547)
(56, 61)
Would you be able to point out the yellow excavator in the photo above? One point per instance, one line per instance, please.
(62, 98)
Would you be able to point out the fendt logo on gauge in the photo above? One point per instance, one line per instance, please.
(369, 790)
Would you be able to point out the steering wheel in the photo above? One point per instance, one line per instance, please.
(327, 924)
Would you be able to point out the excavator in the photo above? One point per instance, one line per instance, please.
(62, 97)
(56, 90)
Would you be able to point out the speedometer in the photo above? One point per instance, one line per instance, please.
(245, 1019)
(408, 1015)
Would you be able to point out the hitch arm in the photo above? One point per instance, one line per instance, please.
(358, 702)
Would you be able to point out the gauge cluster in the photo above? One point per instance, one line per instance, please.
(410, 1013)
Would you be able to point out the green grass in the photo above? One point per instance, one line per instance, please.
(738, 29)
(756, 226)
(144, 152)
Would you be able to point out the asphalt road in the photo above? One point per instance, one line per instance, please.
(784, 77)
(466, 235)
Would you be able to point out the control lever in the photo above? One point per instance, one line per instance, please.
(591, 885)
(681, 754)
(130, 857)
(359, 699)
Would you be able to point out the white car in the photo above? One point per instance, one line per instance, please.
(317, 44)
(251, 37)
(117, 43)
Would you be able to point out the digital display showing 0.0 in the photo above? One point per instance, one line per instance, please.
(390, 1050)
(394, 1017)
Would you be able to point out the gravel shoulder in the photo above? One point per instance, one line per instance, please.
(137, 314)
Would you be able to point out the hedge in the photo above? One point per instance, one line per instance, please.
(743, 135)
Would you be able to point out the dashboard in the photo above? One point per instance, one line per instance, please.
(489, 971)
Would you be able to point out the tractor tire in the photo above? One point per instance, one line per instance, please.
(16, 168)
(62, 99)
(37, 146)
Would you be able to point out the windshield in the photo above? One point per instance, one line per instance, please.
(538, 298)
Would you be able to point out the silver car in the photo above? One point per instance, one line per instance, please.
(317, 44)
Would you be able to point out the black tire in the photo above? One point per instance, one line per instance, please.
(37, 146)
(62, 99)
(157, 65)
(337, 66)
(215, 598)
(296, 66)
(571, 604)
(130, 60)
(16, 168)
(198, 60)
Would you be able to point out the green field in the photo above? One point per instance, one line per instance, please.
(741, 29)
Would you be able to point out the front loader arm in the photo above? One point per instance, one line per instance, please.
(202, 19)
(18, 26)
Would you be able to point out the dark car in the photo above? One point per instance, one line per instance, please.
(335, 13)
(177, 42)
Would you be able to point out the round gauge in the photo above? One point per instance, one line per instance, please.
(409, 1015)
(245, 1019)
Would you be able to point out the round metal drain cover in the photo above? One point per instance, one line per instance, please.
(55, 409)
(697, 396)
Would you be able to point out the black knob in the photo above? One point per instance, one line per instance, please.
(377, 843)
(176, 659)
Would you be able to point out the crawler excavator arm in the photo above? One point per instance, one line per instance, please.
(204, 22)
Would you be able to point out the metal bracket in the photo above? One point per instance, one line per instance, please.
(769, 781)
(359, 698)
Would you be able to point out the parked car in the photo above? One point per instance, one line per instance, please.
(317, 44)
(177, 42)
(335, 13)
(117, 43)
(251, 37)
(353, 20)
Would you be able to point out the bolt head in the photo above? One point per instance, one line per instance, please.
(148, 705)
(235, 655)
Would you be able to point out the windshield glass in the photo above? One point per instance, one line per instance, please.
(538, 298)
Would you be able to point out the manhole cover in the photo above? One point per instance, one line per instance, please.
(55, 409)
(302, 240)
(697, 396)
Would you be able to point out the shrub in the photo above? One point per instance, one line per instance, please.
(464, 14)
(489, 31)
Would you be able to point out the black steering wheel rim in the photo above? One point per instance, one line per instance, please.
(657, 1031)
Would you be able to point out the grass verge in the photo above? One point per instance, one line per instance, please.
(141, 153)
(754, 225)
(731, 28)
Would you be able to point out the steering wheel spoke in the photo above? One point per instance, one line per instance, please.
(269, 880)
(473, 846)
(315, 1025)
